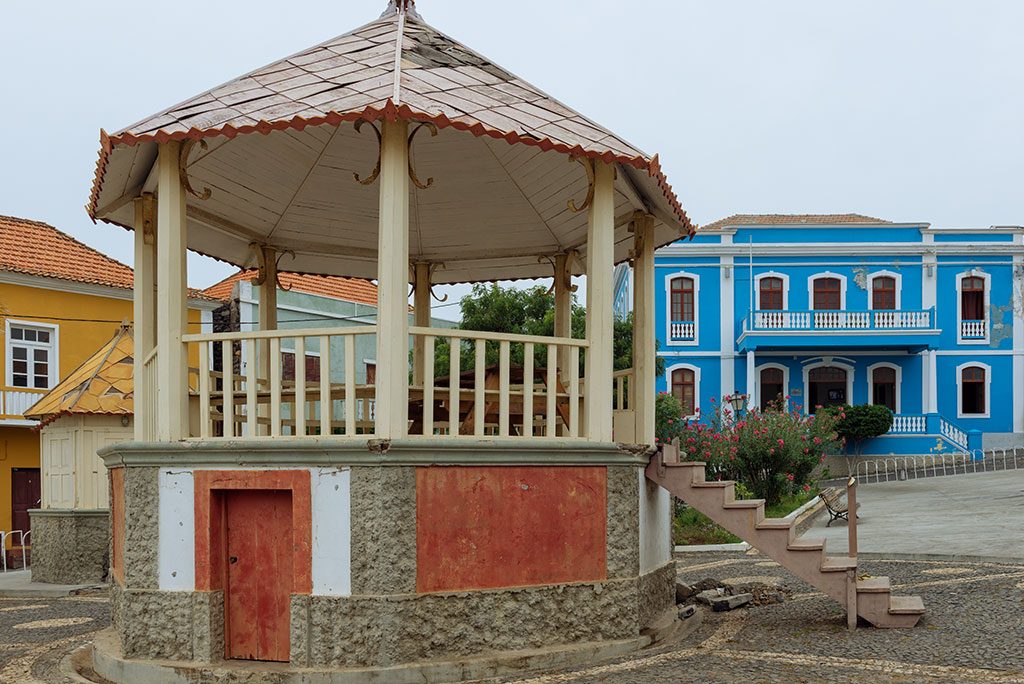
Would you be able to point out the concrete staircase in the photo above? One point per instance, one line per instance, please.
(871, 598)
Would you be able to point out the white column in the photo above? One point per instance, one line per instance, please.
(925, 381)
(600, 263)
(929, 276)
(644, 353)
(1018, 343)
(752, 399)
(421, 314)
(144, 295)
(563, 310)
(267, 312)
(172, 366)
(393, 283)
(933, 382)
(727, 299)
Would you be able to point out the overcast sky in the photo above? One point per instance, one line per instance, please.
(909, 110)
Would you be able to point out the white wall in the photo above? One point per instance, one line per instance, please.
(655, 525)
(73, 476)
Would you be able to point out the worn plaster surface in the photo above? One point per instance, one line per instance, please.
(141, 528)
(70, 547)
(656, 592)
(623, 536)
(383, 530)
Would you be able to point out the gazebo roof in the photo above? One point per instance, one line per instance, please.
(501, 186)
(101, 385)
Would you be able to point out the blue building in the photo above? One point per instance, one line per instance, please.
(831, 309)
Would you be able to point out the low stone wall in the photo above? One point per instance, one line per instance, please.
(656, 591)
(172, 625)
(69, 546)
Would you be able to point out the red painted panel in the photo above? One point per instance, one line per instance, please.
(117, 523)
(259, 573)
(209, 521)
(481, 527)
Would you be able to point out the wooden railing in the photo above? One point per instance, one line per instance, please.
(243, 389)
(520, 392)
(146, 406)
(15, 401)
(622, 393)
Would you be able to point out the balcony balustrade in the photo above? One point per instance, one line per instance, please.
(682, 331)
(843, 320)
(973, 330)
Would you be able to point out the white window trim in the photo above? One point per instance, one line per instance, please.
(885, 274)
(960, 390)
(826, 274)
(757, 379)
(696, 309)
(785, 288)
(826, 363)
(696, 385)
(54, 364)
(987, 277)
(899, 382)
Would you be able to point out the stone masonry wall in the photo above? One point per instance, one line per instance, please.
(70, 547)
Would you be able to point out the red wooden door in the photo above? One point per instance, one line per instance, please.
(24, 495)
(259, 574)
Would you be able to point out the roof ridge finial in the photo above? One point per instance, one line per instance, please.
(407, 7)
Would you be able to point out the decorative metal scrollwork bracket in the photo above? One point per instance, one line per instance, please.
(431, 268)
(376, 169)
(566, 275)
(412, 173)
(589, 166)
(183, 154)
(260, 250)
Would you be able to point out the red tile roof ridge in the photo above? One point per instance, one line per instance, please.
(794, 219)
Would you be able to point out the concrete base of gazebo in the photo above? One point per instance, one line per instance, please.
(70, 546)
(413, 551)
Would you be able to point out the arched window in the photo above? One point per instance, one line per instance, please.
(684, 388)
(770, 294)
(826, 387)
(972, 298)
(772, 386)
(972, 391)
(682, 299)
(883, 383)
(828, 293)
(883, 293)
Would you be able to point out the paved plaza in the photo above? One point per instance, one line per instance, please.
(966, 515)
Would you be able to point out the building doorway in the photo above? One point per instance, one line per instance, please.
(259, 573)
(25, 494)
(826, 386)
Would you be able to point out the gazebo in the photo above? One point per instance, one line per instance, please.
(281, 511)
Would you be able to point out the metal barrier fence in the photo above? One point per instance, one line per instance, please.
(898, 468)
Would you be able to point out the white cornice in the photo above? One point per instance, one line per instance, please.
(853, 249)
(92, 289)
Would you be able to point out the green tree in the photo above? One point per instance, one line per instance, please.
(861, 422)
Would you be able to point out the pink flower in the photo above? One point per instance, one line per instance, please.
(691, 440)
(782, 443)
(670, 421)
(712, 400)
(772, 450)
(817, 440)
(807, 487)
(789, 476)
(807, 451)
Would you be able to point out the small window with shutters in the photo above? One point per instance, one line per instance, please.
(828, 294)
(773, 387)
(972, 298)
(770, 294)
(682, 294)
(31, 357)
(883, 293)
(972, 389)
(684, 388)
(883, 387)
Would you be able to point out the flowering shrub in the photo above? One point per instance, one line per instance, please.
(772, 452)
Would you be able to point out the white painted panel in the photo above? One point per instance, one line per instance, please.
(332, 531)
(57, 469)
(655, 525)
(177, 547)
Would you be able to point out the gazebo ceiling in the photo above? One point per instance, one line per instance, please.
(502, 161)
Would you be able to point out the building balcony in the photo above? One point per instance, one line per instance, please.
(973, 330)
(682, 331)
(14, 401)
(801, 329)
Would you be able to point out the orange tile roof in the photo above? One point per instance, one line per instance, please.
(102, 385)
(791, 220)
(37, 248)
(336, 287)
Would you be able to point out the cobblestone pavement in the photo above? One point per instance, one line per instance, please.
(973, 631)
(35, 634)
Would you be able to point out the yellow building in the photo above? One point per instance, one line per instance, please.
(60, 300)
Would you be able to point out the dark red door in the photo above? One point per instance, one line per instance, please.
(259, 574)
(24, 495)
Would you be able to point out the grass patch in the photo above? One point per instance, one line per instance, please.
(690, 526)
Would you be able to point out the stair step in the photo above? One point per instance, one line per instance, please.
(838, 563)
(807, 544)
(874, 585)
(686, 464)
(716, 483)
(906, 605)
(774, 524)
(744, 503)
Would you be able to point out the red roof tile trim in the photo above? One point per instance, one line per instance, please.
(391, 113)
(336, 287)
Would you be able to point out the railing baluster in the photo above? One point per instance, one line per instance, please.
(251, 385)
(326, 403)
(504, 354)
(552, 390)
(574, 392)
(528, 389)
(227, 357)
(299, 406)
(428, 386)
(478, 388)
(275, 387)
(454, 380)
(350, 385)
(205, 419)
